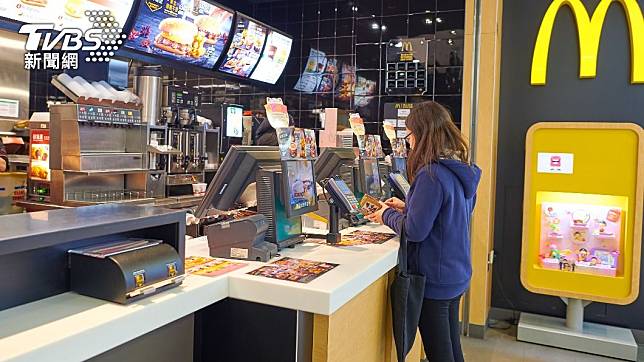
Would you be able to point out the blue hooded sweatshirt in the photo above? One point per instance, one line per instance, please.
(437, 223)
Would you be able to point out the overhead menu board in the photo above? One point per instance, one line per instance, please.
(274, 58)
(189, 31)
(245, 48)
(64, 13)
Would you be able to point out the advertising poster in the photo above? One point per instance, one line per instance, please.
(294, 270)
(347, 85)
(188, 31)
(329, 79)
(245, 49)
(64, 13)
(365, 90)
(210, 267)
(302, 193)
(274, 58)
(39, 155)
(312, 75)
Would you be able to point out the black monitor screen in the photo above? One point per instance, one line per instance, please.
(237, 171)
(332, 160)
(371, 177)
(299, 187)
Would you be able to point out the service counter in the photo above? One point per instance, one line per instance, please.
(341, 316)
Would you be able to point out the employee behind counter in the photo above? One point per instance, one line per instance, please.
(4, 161)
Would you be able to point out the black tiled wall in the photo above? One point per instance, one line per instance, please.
(355, 33)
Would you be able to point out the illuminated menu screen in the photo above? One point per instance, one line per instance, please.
(65, 13)
(274, 58)
(189, 31)
(245, 48)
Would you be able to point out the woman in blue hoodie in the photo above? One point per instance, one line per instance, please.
(437, 222)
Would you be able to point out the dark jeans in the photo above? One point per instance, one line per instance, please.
(439, 328)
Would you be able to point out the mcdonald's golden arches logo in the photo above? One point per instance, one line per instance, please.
(407, 46)
(589, 29)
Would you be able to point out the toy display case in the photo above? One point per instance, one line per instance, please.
(581, 238)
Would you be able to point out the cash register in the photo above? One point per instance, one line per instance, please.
(231, 233)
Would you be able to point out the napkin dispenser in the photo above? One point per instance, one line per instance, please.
(125, 271)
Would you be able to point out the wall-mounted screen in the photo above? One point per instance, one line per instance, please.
(64, 13)
(189, 31)
(245, 49)
(274, 58)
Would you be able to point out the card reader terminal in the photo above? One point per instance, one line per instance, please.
(399, 185)
(346, 201)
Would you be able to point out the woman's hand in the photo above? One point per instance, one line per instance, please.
(395, 203)
(377, 216)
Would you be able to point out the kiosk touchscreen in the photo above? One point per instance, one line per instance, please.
(399, 185)
(369, 182)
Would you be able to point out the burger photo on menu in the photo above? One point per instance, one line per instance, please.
(189, 31)
(177, 36)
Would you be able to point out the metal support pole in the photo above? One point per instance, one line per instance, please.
(575, 313)
(476, 49)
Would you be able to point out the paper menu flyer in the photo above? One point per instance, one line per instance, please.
(294, 270)
(210, 267)
(359, 237)
(399, 147)
(277, 113)
(357, 124)
(297, 143)
(373, 147)
(390, 131)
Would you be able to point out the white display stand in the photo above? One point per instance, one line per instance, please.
(574, 334)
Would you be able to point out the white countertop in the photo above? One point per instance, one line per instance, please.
(72, 327)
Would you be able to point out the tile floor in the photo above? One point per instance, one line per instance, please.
(502, 346)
